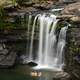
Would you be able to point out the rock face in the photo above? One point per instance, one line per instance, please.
(73, 51)
(73, 9)
(7, 57)
(44, 6)
(7, 3)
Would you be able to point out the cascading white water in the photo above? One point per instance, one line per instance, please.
(32, 38)
(47, 40)
(28, 35)
(49, 52)
(60, 46)
(27, 57)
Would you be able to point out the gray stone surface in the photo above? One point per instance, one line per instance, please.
(72, 51)
(7, 57)
(72, 9)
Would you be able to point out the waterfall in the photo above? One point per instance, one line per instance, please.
(60, 46)
(50, 50)
(27, 57)
(47, 40)
(32, 38)
(28, 35)
(50, 54)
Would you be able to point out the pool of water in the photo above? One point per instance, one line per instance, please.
(23, 72)
(18, 73)
(13, 76)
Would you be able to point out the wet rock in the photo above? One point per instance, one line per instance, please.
(32, 64)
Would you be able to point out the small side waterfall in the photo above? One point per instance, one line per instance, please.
(29, 22)
(49, 51)
(32, 38)
(60, 46)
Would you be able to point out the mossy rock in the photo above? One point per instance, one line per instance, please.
(7, 3)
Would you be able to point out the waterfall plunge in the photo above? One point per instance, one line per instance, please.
(50, 52)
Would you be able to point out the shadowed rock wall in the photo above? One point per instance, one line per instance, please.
(73, 51)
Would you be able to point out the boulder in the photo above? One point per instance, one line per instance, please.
(7, 57)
